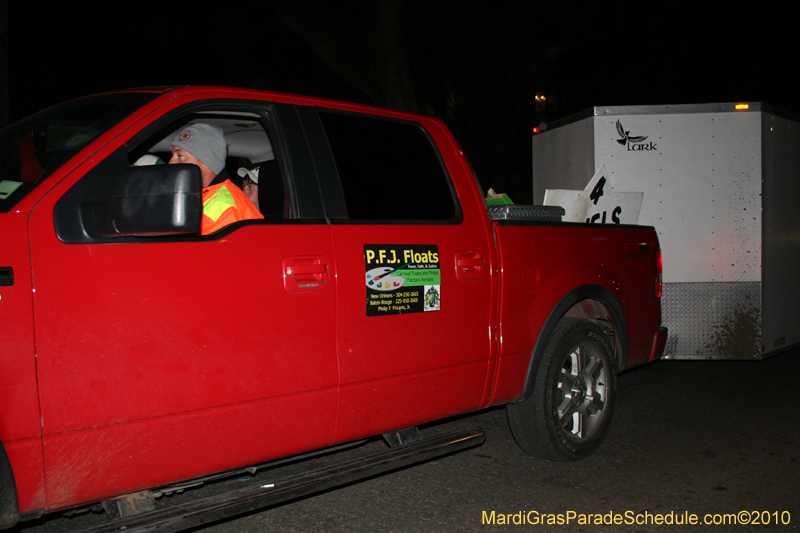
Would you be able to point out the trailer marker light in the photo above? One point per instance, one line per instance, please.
(741, 107)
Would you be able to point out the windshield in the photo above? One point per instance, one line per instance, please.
(33, 148)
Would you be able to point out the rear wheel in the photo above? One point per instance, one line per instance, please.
(566, 417)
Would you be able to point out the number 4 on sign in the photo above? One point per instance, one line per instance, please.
(597, 192)
(597, 185)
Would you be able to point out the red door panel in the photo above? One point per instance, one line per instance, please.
(402, 369)
(171, 360)
(20, 423)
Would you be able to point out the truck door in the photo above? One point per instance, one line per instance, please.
(20, 429)
(413, 274)
(168, 358)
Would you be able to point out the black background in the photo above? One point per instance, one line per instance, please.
(476, 65)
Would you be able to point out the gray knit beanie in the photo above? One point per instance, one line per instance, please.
(206, 143)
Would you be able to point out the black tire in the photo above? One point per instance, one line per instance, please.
(566, 417)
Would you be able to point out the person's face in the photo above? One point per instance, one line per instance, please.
(250, 188)
(179, 155)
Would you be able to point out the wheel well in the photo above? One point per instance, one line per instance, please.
(597, 312)
(9, 506)
(591, 302)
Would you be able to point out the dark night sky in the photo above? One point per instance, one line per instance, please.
(632, 54)
(73, 52)
(625, 54)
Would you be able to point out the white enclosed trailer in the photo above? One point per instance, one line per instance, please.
(721, 184)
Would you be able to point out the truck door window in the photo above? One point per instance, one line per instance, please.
(252, 146)
(249, 148)
(389, 170)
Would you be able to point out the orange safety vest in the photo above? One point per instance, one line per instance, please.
(223, 204)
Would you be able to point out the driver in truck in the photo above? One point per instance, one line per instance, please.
(223, 202)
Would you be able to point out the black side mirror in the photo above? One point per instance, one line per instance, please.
(148, 201)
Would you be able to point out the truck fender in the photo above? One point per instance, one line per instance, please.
(9, 505)
(584, 292)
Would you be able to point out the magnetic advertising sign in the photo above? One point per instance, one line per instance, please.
(402, 278)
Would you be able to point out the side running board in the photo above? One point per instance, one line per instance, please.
(210, 509)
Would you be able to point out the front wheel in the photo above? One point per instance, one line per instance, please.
(566, 417)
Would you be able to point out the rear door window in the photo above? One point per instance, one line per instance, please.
(389, 170)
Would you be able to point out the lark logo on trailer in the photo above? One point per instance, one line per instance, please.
(634, 144)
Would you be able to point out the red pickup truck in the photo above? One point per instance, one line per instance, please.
(376, 294)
